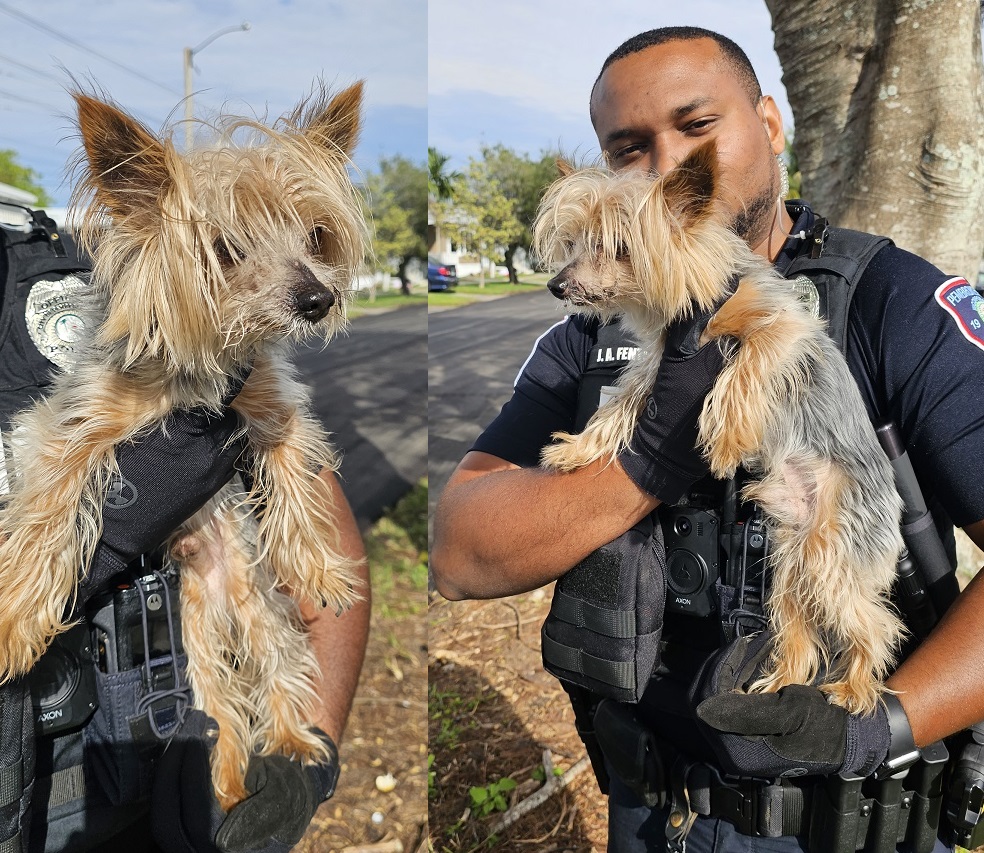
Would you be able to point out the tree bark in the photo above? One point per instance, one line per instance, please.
(509, 263)
(401, 274)
(888, 101)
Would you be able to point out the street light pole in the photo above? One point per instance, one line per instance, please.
(189, 60)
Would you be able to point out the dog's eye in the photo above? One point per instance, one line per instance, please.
(621, 251)
(318, 238)
(228, 253)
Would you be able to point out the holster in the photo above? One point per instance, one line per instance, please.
(584, 703)
(631, 751)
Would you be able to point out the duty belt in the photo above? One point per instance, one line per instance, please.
(836, 814)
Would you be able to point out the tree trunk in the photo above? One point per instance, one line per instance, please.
(510, 265)
(401, 274)
(888, 101)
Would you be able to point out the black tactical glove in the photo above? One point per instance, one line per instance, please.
(662, 458)
(167, 476)
(186, 817)
(793, 732)
(285, 796)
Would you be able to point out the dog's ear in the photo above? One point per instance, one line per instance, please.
(688, 190)
(335, 122)
(127, 163)
(564, 167)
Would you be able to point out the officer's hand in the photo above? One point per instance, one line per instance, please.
(284, 797)
(793, 732)
(168, 475)
(186, 817)
(662, 458)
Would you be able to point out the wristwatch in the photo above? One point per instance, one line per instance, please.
(902, 750)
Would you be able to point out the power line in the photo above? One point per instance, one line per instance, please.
(31, 68)
(15, 97)
(40, 25)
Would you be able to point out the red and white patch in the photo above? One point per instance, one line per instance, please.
(966, 306)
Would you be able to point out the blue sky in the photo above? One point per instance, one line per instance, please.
(519, 72)
(264, 70)
(452, 73)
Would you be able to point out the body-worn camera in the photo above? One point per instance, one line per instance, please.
(713, 540)
(111, 637)
(693, 559)
(63, 683)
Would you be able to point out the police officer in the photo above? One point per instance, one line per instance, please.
(658, 96)
(93, 789)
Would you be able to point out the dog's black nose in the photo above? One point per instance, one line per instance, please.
(313, 304)
(558, 287)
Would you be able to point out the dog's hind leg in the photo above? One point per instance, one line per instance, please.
(298, 536)
(827, 603)
(283, 670)
(215, 561)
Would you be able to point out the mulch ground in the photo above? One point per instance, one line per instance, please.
(493, 711)
(386, 733)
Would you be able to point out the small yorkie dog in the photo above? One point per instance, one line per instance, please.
(784, 407)
(213, 260)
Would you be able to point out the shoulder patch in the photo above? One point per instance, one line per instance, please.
(966, 306)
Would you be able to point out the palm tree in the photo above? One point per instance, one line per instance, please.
(440, 183)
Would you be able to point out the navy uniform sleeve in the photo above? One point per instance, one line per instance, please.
(544, 396)
(916, 347)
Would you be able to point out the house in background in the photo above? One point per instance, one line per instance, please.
(442, 250)
(14, 200)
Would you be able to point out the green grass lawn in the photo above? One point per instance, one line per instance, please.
(468, 290)
(387, 299)
(397, 549)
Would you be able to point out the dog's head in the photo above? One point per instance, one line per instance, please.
(626, 242)
(204, 255)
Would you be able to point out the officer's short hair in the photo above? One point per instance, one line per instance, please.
(732, 53)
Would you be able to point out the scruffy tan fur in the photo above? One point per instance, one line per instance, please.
(214, 259)
(784, 407)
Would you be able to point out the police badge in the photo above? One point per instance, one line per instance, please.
(53, 319)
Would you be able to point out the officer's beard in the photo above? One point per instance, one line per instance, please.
(753, 222)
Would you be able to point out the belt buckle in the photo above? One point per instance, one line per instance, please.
(682, 816)
(736, 800)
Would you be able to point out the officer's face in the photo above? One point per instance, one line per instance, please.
(651, 108)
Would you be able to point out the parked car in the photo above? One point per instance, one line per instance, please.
(440, 276)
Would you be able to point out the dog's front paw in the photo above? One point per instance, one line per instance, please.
(855, 697)
(724, 458)
(567, 453)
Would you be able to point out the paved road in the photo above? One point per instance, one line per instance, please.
(370, 391)
(474, 354)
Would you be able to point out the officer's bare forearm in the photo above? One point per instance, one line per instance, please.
(941, 685)
(339, 642)
(500, 530)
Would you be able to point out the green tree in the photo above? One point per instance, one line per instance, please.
(523, 180)
(13, 173)
(792, 166)
(481, 216)
(397, 196)
(440, 181)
